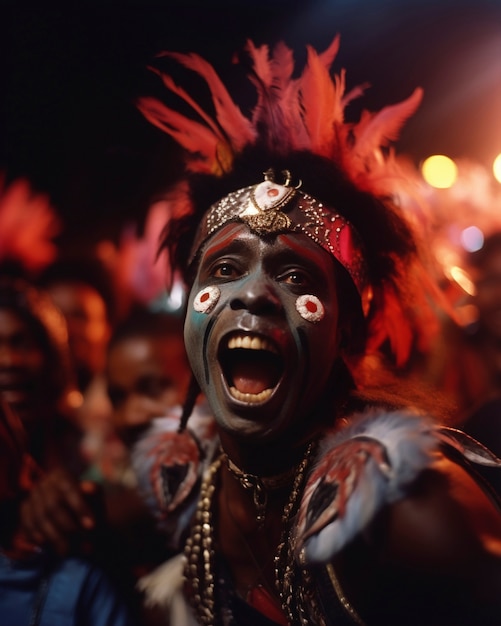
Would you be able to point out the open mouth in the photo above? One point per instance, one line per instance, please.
(252, 367)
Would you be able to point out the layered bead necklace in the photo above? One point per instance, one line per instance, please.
(199, 549)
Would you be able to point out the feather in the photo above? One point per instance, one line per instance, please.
(321, 103)
(328, 56)
(376, 130)
(317, 101)
(138, 268)
(469, 447)
(28, 225)
(353, 94)
(282, 66)
(360, 468)
(387, 324)
(235, 125)
(272, 81)
(179, 91)
(261, 66)
(196, 138)
(168, 465)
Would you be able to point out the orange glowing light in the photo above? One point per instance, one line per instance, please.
(496, 168)
(462, 279)
(439, 171)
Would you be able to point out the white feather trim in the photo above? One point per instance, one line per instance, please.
(163, 588)
(395, 447)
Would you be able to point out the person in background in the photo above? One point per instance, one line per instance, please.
(466, 363)
(471, 357)
(37, 587)
(82, 290)
(326, 502)
(36, 376)
(146, 375)
(147, 370)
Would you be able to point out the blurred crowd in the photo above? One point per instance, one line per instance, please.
(86, 363)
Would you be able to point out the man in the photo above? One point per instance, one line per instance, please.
(147, 370)
(327, 503)
(35, 373)
(146, 373)
(82, 291)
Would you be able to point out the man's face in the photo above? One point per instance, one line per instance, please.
(262, 365)
(488, 297)
(23, 367)
(88, 327)
(146, 376)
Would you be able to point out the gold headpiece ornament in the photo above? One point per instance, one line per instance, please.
(271, 208)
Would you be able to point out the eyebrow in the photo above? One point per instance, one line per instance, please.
(229, 244)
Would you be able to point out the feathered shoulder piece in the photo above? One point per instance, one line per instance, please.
(367, 464)
(169, 464)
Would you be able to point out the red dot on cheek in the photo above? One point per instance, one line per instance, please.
(204, 297)
(272, 193)
(311, 306)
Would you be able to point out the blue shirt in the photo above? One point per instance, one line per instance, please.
(58, 592)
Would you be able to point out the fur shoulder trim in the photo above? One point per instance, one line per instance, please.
(169, 464)
(163, 589)
(369, 463)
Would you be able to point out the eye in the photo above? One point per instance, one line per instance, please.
(154, 386)
(295, 277)
(225, 269)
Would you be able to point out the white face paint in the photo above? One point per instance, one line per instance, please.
(310, 308)
(206, 299)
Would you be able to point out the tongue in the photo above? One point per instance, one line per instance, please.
(252, 377)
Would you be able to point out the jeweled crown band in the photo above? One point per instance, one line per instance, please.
(270, 208)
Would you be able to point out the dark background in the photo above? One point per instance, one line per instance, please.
(70, 77)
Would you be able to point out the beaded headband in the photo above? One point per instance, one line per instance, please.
(270, 208)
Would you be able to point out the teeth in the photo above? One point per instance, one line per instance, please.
(250, 397)
(249, 342)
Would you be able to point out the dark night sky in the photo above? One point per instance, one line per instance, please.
(70, 77)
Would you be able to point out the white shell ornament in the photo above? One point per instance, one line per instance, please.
(206, 299)
(310, 308)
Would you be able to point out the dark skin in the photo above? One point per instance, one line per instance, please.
(442, 543)
(113, 522)
(23, 374)
(260, 283)
(145, 377)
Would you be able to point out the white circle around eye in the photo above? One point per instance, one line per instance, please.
(206, 299)
(310, 308)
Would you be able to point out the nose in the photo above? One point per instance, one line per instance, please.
(258, 294)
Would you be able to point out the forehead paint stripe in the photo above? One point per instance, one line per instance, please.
(297, 247)
(213, 248)
(204, 354)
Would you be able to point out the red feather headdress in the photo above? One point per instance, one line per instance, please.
(291, 114)
(305, 113)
